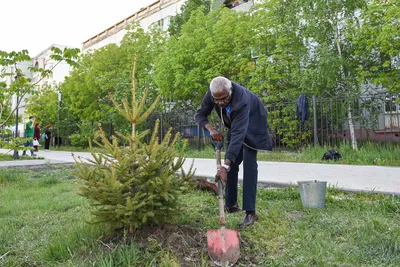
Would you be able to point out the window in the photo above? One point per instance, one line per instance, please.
(396, 62)
(160, 23)
(392, 103)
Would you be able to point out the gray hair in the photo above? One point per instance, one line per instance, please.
(220, 84)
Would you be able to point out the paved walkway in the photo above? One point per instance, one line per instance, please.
(346, 177)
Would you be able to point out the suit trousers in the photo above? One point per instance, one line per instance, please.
(250, 177)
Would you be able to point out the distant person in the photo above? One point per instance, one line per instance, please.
(36, 136)
(29, 132)
(48, 138)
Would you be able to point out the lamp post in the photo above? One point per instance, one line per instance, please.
(58, 121)
(16, 155)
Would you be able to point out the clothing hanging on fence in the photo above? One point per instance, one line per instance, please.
(302, 112)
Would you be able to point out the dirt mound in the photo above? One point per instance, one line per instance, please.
(187, 243)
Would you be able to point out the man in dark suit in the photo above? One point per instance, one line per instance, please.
(246, 119)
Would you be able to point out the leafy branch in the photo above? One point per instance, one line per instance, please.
(23, 85)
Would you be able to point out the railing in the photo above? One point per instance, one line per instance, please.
(139, 15)
(375, 119)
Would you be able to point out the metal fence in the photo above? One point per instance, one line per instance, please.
(375, 118)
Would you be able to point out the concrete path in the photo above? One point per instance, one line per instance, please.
(346, 177)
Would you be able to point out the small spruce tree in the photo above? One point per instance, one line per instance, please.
(136, 184)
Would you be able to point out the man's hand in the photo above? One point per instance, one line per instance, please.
(217, 136)
(222, 174)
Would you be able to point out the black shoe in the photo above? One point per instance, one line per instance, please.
(248, 220)
(234, 208)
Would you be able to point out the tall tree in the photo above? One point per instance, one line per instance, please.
(183, 16)
(44, 105)
(377, 44)
(329, 68)
(209, 45)
(85, 90)
(148, 45)
(106, 71)
(22, 85)
(5, 103)
(278, 51)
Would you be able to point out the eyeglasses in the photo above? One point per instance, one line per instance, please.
(221, 99)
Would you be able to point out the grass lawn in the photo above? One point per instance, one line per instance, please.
(70, 148)
(44, 223)
(368, 154)
(8, 157)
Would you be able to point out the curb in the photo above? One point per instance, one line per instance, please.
(272, 184)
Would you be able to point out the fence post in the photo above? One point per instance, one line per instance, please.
(314, 102)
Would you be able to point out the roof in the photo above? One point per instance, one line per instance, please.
(48, 48)
(137, 16)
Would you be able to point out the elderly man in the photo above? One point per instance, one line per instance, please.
(245, 117)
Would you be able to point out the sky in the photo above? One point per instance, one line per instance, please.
(36, 25)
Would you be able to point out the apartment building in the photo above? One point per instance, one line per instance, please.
(159, 13)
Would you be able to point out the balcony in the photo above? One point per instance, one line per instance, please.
(238, 5)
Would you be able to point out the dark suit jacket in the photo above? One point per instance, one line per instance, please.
(248, 120)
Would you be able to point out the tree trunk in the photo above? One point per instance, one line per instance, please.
(343, 76)
(351, 127)
(131, 229)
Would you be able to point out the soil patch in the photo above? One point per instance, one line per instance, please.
(188, 244)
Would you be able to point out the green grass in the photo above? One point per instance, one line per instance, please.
(7, 157)
(367, 154)
(44, 223)
(70, 148)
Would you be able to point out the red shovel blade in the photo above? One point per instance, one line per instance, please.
(223, 246)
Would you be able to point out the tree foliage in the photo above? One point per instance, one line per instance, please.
(44, 105)
(22, 85)
(185, 13)
(278, 50)
(377, 44)
(106, 71)
(209, 45)
(85, 90)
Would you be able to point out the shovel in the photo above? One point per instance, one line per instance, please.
(223, 244)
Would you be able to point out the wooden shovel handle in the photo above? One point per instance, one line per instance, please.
(221, 207)
(218, 156)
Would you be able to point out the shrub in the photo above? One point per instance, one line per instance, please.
(135, 184)
(80, 140)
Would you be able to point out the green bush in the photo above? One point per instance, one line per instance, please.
(81, 140)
